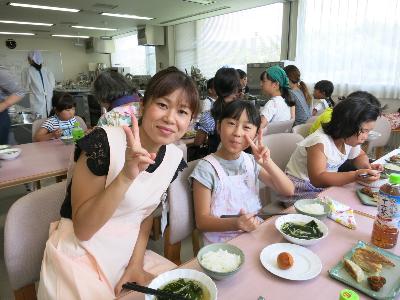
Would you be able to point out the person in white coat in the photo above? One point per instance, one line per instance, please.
(39, 81)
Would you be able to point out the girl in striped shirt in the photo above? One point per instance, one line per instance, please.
(61, 120)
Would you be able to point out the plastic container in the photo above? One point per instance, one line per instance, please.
(348, 295)
(386, 226)
(77, 132)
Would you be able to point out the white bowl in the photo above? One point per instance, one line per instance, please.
(298, 218)
(10, 153)
(300, 206)
(164, 278)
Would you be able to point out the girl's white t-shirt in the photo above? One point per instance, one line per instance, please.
(297, 165)
(276, 110)
(322, 105)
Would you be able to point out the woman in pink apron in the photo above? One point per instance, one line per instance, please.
(225, 183)
(120, 176)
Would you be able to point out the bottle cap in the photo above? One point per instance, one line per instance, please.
(394, 178)
(348, 295)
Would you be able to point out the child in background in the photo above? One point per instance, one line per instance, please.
(61, 120)
(226, 182)
(281, 107)
(315, 163)
(323, 91)
(300, 95)
(226, 85)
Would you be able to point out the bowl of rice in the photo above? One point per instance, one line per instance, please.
(313, 207)
(220, 260)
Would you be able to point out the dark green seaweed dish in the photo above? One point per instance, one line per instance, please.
(190, 289)
(306, 231)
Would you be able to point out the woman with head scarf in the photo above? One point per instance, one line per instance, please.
(281, 107)
(40, 83)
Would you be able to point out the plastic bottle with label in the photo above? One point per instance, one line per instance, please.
(77, 132)
(386, 226)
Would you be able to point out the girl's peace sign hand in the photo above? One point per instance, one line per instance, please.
(137, 159)
(260, 152)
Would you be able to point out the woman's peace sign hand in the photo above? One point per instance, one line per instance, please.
(260, 152)
(137, 159)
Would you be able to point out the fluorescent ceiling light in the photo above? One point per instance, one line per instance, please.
(25, 23)
(16, 33)
(71, 36)
(95, 28)
(43, 7)
(126, 16)
(201, 1)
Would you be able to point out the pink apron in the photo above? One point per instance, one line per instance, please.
(233, 193)
(74, 269)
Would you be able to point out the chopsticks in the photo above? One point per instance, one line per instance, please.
(261, 215)
(144, 289)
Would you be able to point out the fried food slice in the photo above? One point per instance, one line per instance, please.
(369, 192)
(371, 255)
(354, 270)
(360, 259)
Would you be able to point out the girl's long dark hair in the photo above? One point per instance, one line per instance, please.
(226, 83)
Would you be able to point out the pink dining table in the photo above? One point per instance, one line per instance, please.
(37, 161)
(253, 280)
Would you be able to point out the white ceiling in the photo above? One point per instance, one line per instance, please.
(164, 12)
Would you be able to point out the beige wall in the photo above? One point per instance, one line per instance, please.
(74, 59)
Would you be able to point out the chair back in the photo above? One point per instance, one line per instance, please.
(26, 232)
(302, 129)
(281, 147)
(312, 119)
(278, 127)
(36, 125)
(183, 147)
(382, 126)
(181, 213)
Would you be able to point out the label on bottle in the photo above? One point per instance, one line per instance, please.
(389, 210)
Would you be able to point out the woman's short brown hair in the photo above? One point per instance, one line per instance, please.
(169, 80)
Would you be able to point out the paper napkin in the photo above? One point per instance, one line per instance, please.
(341, 213)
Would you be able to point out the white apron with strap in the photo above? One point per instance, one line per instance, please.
(74, 269)
(233, 193)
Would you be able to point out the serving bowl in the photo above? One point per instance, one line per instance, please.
(301, 207)
(67, 139)
(301, 219)
(167, 277)
(10, 153)
(215, 247)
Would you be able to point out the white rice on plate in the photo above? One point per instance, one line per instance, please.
(220, 261)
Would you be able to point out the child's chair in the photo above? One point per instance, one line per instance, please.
(278, 127)
(181, 216)
(281, 147)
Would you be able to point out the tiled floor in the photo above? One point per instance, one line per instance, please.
(10, 195)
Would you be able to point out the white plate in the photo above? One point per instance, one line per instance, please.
(307, 264)
(4, 147)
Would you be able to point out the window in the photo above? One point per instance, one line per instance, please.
(140, 59)
(355, 44)
(235, 39)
